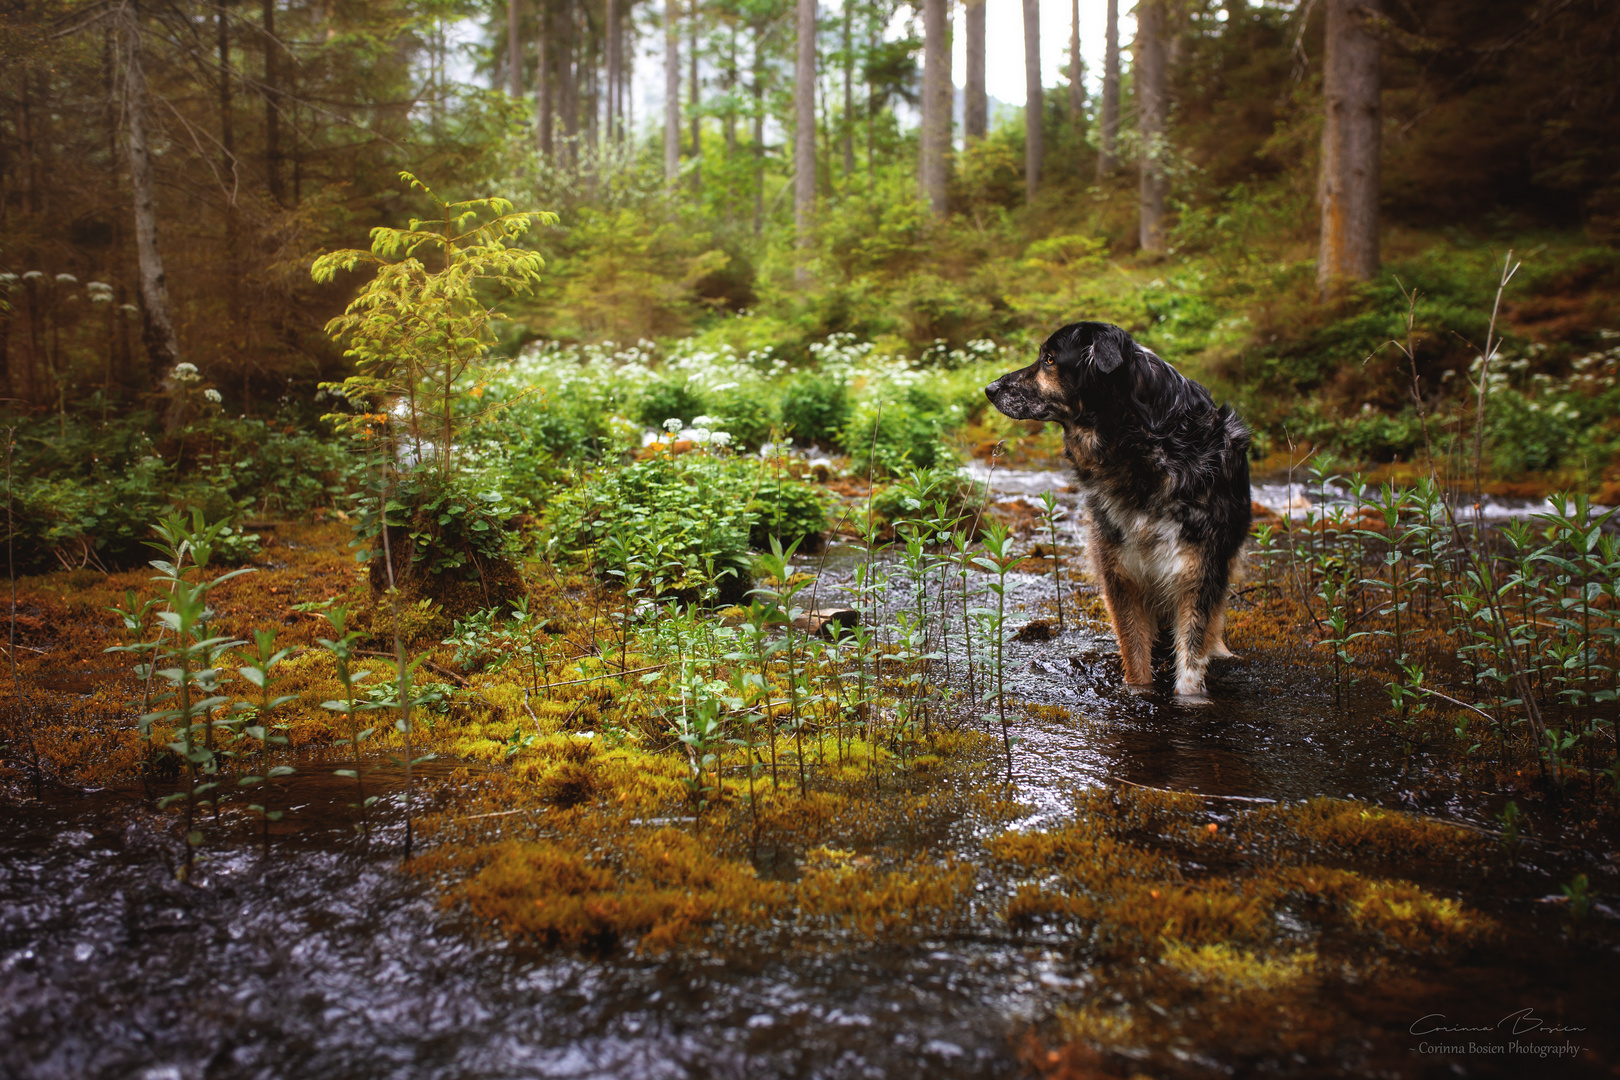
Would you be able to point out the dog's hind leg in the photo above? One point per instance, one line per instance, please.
(1135, 624)
(1216, 634)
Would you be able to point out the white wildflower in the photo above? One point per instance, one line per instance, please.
(213, 396)
(672, 425)
(721, 438)
(185, 373)
(66, 279)
(34, 275)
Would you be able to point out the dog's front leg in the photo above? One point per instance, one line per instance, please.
(1135, 624)
(1198, 627)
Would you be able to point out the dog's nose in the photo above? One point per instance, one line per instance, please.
(994, 388)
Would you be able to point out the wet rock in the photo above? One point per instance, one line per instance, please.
(1036, 630)
(827, 622)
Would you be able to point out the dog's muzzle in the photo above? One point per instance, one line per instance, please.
(1014, 400)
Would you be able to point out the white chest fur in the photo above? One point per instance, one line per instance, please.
(1151, 553)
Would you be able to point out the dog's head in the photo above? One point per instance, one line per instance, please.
(1094, 371)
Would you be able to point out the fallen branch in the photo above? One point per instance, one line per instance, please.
(430, 665)
(1199, 794)
(1454, 701)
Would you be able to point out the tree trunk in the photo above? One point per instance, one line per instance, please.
(1108, 140)
(849, 89)
(27, 122)
(272, 104)
(872, 106)
(514, 50)
(1077, 71)
(804, 138)
(936, 104)
(543, 49)
(757, 89)
(227, 134)
(615, 72)
(731, 94)
(157, 324)
(696, 100)
(975, 102)
(672, 91)
(592, 58)
(227, 144)
(571, 68)
(1034, 144)
(28, 381)
(1351, 139)
(621, 89)
(1148, 67)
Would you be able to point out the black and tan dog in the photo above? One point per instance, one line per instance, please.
(1166, 480)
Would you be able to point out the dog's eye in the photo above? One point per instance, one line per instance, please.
(1047, 359)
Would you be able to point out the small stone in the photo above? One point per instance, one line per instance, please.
(828, 621)
(1036, 630)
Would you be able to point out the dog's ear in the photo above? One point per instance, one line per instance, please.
(1109, 347)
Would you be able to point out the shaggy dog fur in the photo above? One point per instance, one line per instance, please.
(1166, 480)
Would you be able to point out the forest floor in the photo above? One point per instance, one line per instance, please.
(1270, 883)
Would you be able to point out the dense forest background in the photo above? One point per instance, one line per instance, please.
(276, 131)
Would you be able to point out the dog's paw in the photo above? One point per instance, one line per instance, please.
(1139, 689)
(1199, 698)
(1221, 652)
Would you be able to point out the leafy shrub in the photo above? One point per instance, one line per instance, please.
(1068, 251)
(92, 491)
(921, 495)
(680, 522)
(1367, 436)
(937, 309)
(745, 414)
(1530, 436)
(273, 467)
(815, 408)
(685, 523)
(448, 525)
(669, 398)
(788, 510)
(890, 437)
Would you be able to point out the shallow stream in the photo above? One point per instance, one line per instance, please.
(325, 961)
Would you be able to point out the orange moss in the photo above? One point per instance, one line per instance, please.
(1356, 828)
(668, 889)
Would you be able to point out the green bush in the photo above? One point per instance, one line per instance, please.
(92, 490)
(685, 523)
(1531, 436)
(941, 493)
(451, 525)
(1369, 436)
(666, 399)
(890, 437)
(679, 523)
(746, 415)
(815, 408)
(788, 510)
